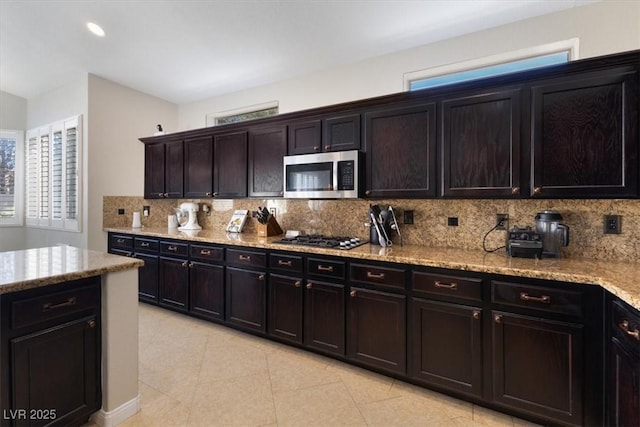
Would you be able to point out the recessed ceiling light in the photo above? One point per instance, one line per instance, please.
(95, 29)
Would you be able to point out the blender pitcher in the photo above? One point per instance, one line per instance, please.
(555, 235)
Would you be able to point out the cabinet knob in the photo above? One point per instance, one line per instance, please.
(160, 194)
(515, 190)
(282, 193)
(625, 328)
(327, 147)
(215, 194)
(497, 318)
(297, 284)
(165, 195)
(537, 190)
(91, 324)
(261, 277)
(353, 293)
(185, 264)
(309, 285)
(208, 194)
(367, 193)
(476, 314)
(316, 148)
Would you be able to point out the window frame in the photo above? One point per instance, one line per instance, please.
(18, 184)
(35, 216)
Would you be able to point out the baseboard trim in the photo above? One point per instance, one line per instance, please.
(118, 415)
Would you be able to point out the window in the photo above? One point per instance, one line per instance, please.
(267, 109)
(11, 166)
(53, 180)
(525, 59)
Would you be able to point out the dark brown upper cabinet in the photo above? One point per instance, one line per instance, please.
(401, 152)
(164, 167)
(480, 144)
(198, 167)
(267, 148)
(339, 133)
(585, 135)
(230, 165)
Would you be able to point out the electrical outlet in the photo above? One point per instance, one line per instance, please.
(502, 221)
(452, 221)
(408, 217)
(120, 211)
(612, 224)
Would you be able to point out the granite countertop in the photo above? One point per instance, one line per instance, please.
(32, 268)
(618, 278)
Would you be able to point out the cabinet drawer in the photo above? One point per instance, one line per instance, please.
(120, 241)
(450, 286)
(626, 325)
(537, 298)
(291, 263)
(380, 276)
(246, 258)
(174, 248)
(146, 245)
(206, 253)
(326, 268)
(30, 311)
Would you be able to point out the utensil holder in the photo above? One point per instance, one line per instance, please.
(271, 228)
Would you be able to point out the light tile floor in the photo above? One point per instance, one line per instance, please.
(196, 373)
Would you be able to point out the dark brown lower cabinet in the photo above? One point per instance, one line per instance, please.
(285, 307)
(537, 366)
(377, 329)
(446, 345)
(246, 298)
(324, 325)
(148, 278)
(174, 283)
(206, 290)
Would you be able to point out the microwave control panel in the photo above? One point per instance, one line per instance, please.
(346, 175)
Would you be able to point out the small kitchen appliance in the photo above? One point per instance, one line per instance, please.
(524, 243)
(187, 216)
(555, 235)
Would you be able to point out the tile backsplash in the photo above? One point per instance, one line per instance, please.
(475, 218)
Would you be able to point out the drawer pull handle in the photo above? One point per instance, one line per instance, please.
(297, 284)
(453, 286)
(625, 328)
(526, 297)
(120, 240)
(50, 306)
(172, 248)
(144, 245)
(244, 257)
(285, 263)
(205, 252)
(371, 275)
(476, 314)
(323, 268)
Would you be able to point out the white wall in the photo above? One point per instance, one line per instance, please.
(118, 116)
(13, 116)
(602, 28)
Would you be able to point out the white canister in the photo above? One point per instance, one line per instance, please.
(172, 221)
(136, 220)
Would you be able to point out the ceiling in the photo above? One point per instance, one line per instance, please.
(185, 51)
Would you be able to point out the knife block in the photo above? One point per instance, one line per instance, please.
(271, 228)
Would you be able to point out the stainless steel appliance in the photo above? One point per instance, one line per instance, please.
(332, 175)
(321, 241)
(555, 235)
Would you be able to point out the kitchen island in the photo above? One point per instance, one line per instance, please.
(60, 303)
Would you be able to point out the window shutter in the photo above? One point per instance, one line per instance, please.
(33, 181)
(72, 156)
(56, 178)
(43, 206)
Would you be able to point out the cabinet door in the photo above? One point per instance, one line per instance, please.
(537, 366)
(305, 137)
(480, 145)
(174, 283)
(285, 307)
(342, 133)
(585, 135)
(401, 152)
(267, 148)
(148, 278)
(174, 169)
(624, 386)
(324, 323)
(56, 373)
(230, 165)
(198, 170)
(377, 329)
(206, 290)
(154, 171)
(446, 345)
(246, 299)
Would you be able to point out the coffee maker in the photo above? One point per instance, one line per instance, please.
(555, 235)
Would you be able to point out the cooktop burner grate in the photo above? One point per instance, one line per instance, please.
(320, 241)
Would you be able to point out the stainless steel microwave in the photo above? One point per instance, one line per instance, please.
(333, 175)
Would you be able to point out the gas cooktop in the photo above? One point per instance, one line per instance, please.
(320, 241)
